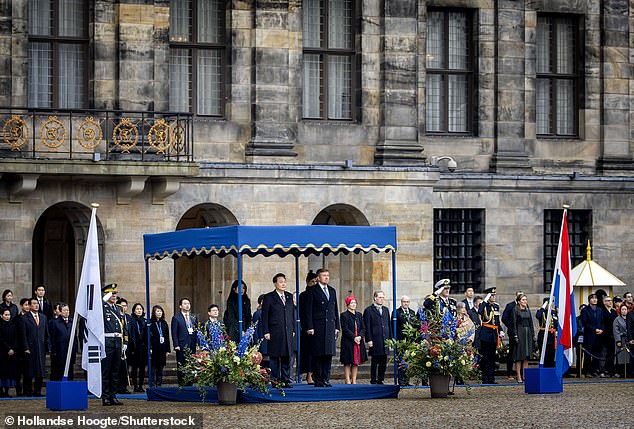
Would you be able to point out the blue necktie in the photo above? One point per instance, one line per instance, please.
(326, 292)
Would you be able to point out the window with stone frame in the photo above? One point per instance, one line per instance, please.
(329, 52)
(449, 82)
(197, 56)
(579, 232)
(57, 54)
(459, 248)
(556, 90)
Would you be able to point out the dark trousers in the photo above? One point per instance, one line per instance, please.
(510, 372)
(23, 378)
(280, 364)
(321, 368)
(122, 384)
(157, 375)
(377, 369)
(180, 359)
(487, 361)
(110, 368)
(138, 375)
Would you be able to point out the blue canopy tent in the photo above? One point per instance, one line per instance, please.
(268, 241)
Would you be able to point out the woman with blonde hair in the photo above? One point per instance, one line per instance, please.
(524, 336)
(465, 328)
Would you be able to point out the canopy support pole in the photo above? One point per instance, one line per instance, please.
(239, 291)
(394, 312)
(148, 312)
(298, 326)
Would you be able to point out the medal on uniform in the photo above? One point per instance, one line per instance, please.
(190, 330)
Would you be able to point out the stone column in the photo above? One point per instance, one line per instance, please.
(274, 131)
(6, 24)
(106, 72)
(615, 84)
(510, 154)
(136, 55)
(398, 138)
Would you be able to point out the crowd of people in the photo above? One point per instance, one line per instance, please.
(35, 328)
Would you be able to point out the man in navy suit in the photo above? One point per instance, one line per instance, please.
(377, 329)
(322, 321)
(184, 326)
(59, 333)
(45, 306)
(36, 336)
(278, 326)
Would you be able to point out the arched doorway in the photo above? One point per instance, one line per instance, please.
(59, 240)
(204, 280)
(352, 273)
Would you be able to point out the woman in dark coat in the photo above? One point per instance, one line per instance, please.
(353, 351)
(258, 335)
(7, 302)
(305, 340)
(524, 336)
(137, 356)
(231, 317)
(8, 348)
(159, 343)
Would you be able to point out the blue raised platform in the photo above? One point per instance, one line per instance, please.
(66, 395)
(299, 393)
(542, 380)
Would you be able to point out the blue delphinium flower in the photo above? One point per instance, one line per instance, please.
(216, 337)
(246, 339)
(202, 340)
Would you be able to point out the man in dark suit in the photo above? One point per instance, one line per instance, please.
(469, 303)
(59, 332)
(44, 304)
(124, 374)
(507, 320)
(278, 326)
(36, 332)
(593, 331)
(115, 333)
(404, 316)
(490, 334)
(23, 379)
(377, 329)
(184, 336)
(322, 322)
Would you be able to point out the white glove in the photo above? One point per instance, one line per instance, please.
(439, 291)
(486, 298)
(545, 305)
(502, 334)
(107, 296)
(124, 348)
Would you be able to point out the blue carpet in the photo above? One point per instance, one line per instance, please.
(299, 393)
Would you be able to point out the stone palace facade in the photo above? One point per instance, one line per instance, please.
(467, 124)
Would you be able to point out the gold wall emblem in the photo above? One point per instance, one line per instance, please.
(125, 135)
(53, 133)
(89, 133)
(15, 132)
(177, 142)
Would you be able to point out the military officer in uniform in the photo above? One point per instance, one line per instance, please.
(440, 300)
(490, 334)
(114, 333)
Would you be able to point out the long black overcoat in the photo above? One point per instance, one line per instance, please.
(322, 315)
(377, 329)
(278, 320)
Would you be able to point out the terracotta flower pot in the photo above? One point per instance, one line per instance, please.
(227, 393)
(439, 385)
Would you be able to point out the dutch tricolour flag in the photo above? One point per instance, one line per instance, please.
(564, 300)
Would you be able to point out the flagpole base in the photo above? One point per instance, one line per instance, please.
(66, 395)
(542, 380)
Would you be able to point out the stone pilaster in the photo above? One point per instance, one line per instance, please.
(5, 52)
(18, 52)
(105, 61)
(615, 83)
(510, 155)
(136, 56)
(273, 131)
(398, 138)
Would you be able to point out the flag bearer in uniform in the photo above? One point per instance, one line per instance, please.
(115, 345)
(490, 334)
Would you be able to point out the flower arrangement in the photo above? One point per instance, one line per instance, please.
(434, 347)
(218, 359)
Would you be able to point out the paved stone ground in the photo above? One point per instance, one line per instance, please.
(582, 404)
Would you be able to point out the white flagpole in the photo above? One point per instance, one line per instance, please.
(70, 345)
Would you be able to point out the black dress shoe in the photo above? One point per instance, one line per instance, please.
(106, 402)
(327, 384)
(123, 392)
(319, 384)
(139, 389)
(379, 382)
(115, 401)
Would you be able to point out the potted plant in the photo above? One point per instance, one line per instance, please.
(432, 352)
(228, 366)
